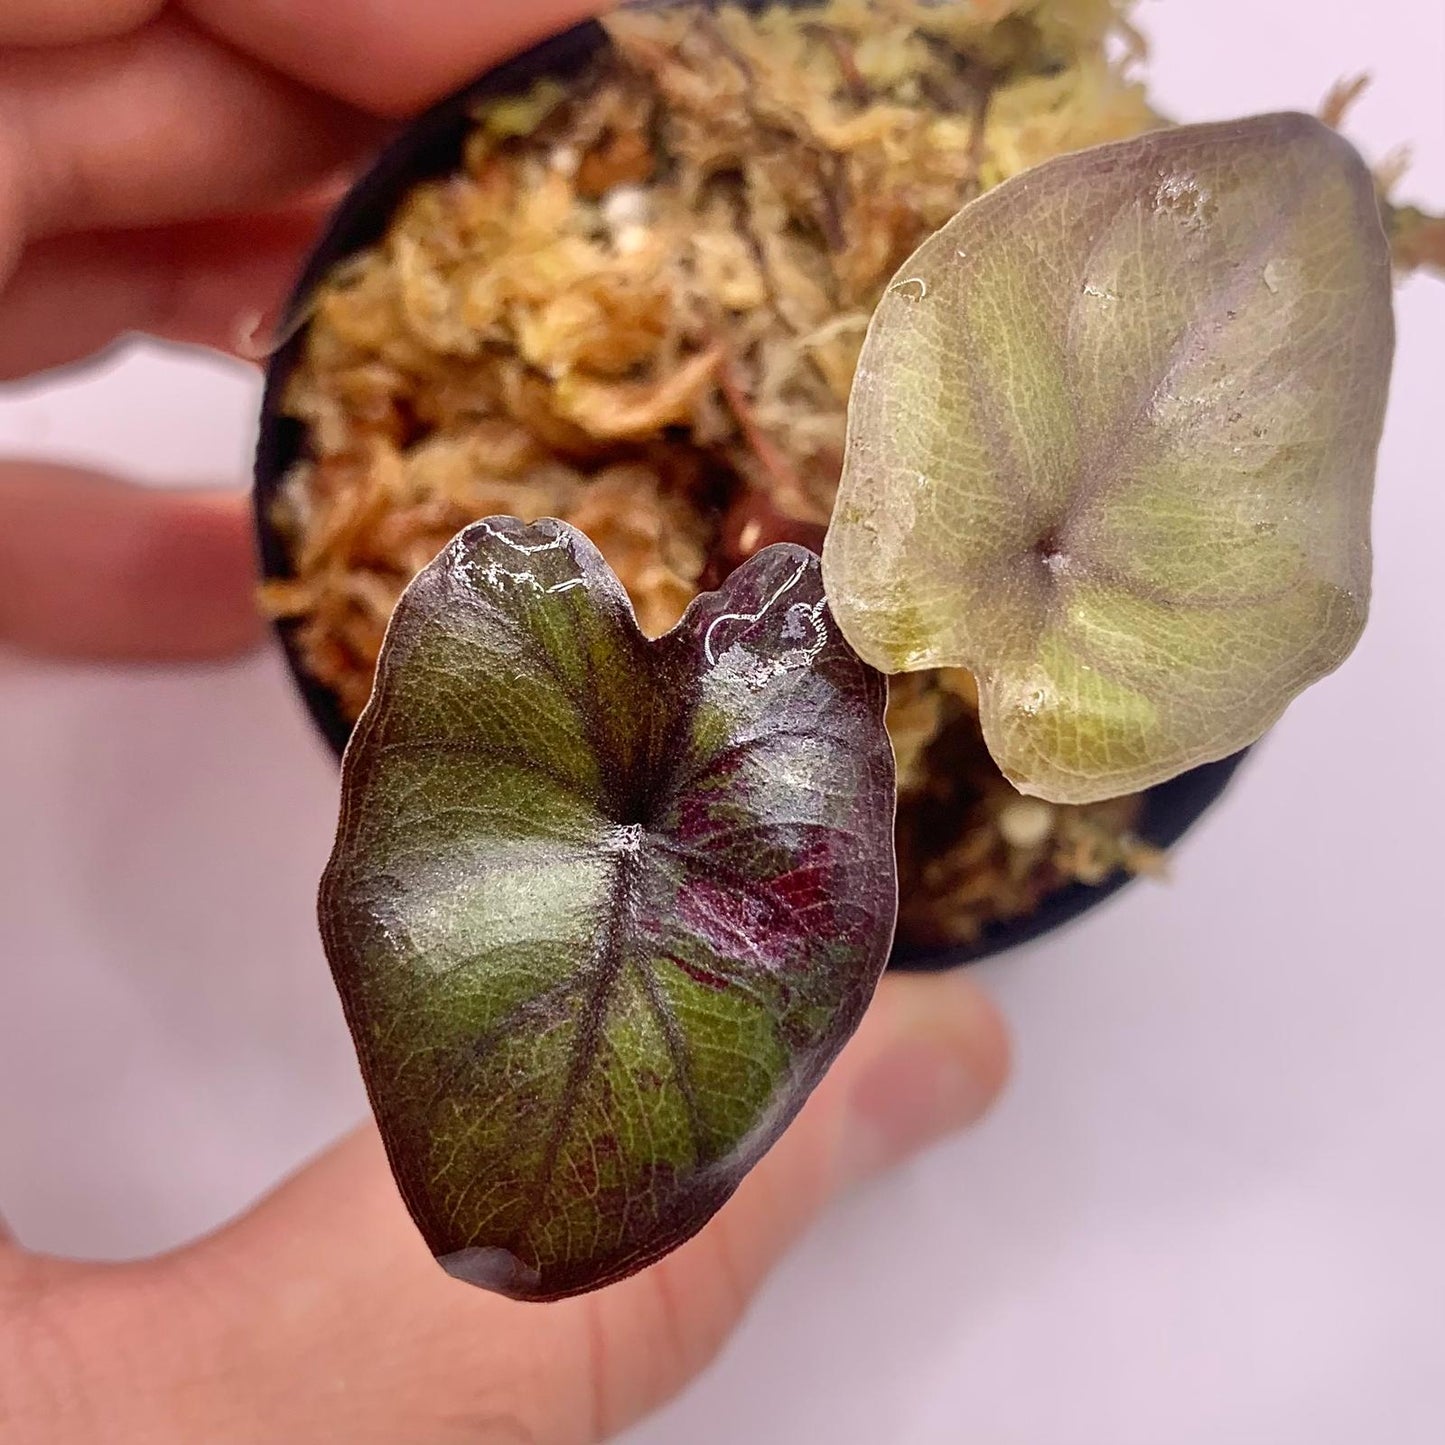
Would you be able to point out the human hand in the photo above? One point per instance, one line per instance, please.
(159, 173)
(162, 169)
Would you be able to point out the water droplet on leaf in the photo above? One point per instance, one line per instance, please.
(1180, 195)
(1278, 274)
(915, 288)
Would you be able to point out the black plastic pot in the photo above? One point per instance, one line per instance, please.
(432, 146)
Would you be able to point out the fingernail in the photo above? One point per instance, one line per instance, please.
(916, 1092)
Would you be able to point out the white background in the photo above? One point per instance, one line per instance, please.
(1212, 1207)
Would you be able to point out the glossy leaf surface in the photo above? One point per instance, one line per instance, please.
(1112, 447)
(602, 910)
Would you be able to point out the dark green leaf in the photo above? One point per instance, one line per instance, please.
(602, 910)
(1113, 446)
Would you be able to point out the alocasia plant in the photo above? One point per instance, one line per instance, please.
(1112, 448)
(602, 910)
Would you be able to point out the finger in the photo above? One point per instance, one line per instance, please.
(330, 1320)
(94, 568)
(207, 282)
(165, 124)
(388, 56)
(65, 22)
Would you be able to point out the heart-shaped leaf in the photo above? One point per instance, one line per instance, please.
(602, 910)
(1112, 448)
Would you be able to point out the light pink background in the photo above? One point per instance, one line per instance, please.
(1211, 1210)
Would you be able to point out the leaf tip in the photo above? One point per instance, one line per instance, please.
(494, 1269)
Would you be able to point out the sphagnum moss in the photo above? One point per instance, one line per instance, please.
(639, 306)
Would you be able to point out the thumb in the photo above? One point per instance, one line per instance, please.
(321, 1316)
(930, 1058)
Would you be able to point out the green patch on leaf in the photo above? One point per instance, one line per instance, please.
(602, 910)
(1112, 448)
